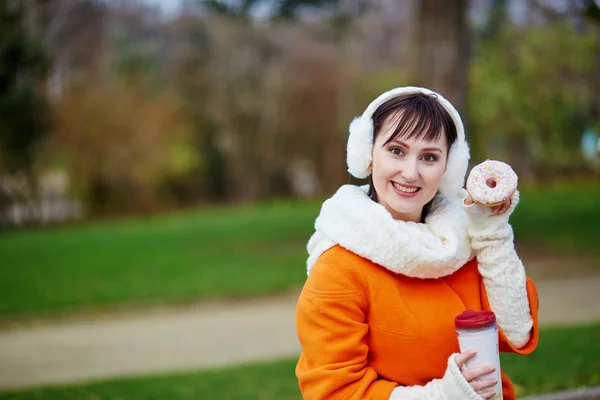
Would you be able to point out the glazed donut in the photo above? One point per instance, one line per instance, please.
(489, 194)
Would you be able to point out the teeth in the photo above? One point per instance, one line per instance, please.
(404, 189)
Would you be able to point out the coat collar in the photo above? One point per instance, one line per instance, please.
(436, 248)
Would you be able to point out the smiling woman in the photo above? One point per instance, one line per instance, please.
(392, 263)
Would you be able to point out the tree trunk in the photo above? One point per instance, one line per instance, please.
(442, 48)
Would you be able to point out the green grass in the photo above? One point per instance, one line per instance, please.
(222, 252)
(566, 358)
(563, 217)
(269, 381)
(194, 255)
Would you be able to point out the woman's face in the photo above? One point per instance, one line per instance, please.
(407, 172)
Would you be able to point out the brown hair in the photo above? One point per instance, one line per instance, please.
(416, 116)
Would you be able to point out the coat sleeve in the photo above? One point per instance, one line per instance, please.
(332, 329)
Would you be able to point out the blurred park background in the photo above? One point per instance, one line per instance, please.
(169, 152)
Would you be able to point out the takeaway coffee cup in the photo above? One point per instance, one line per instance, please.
(477, 330)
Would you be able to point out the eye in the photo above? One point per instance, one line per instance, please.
(429, 158)
(397, 151)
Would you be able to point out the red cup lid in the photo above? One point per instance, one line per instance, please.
(474, 319)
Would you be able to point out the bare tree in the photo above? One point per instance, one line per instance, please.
(442, 48)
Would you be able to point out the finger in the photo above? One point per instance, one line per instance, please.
(488, 394)
(469, 200)
(503, 207)
(462, 358)
(473, 373)
(483, 384)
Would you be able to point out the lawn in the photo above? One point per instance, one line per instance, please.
(203, 254)
(222, 252)
(562, 217)
(565, 358)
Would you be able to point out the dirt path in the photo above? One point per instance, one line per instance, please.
(210, 335)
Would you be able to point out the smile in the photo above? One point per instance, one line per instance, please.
(405, 189)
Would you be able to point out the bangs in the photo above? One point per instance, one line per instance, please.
(417, 117)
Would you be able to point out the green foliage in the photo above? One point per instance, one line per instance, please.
(530, 95)
(566, 358)
(23, 109)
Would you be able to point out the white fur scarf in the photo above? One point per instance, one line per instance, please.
(437, 248)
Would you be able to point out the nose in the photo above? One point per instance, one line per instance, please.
(410, 172)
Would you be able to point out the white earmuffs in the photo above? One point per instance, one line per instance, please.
(360, 142)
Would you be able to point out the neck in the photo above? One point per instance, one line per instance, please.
(415, 216)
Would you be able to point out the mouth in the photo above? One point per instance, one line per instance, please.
(407, 191)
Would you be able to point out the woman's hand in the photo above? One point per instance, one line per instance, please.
(482, 387)
(499, 209)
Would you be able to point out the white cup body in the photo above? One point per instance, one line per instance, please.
(485, 343)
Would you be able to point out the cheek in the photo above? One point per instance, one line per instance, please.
(432, 174)
(436, 173)
(380, 166)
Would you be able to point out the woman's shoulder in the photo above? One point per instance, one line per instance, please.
(339, 269)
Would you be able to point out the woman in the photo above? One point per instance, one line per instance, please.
(391, 264)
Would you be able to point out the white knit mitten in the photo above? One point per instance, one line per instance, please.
(502, 270)
(453, 386)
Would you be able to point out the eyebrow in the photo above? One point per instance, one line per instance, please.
(425, 149)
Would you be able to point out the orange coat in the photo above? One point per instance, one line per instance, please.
(365, 330)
